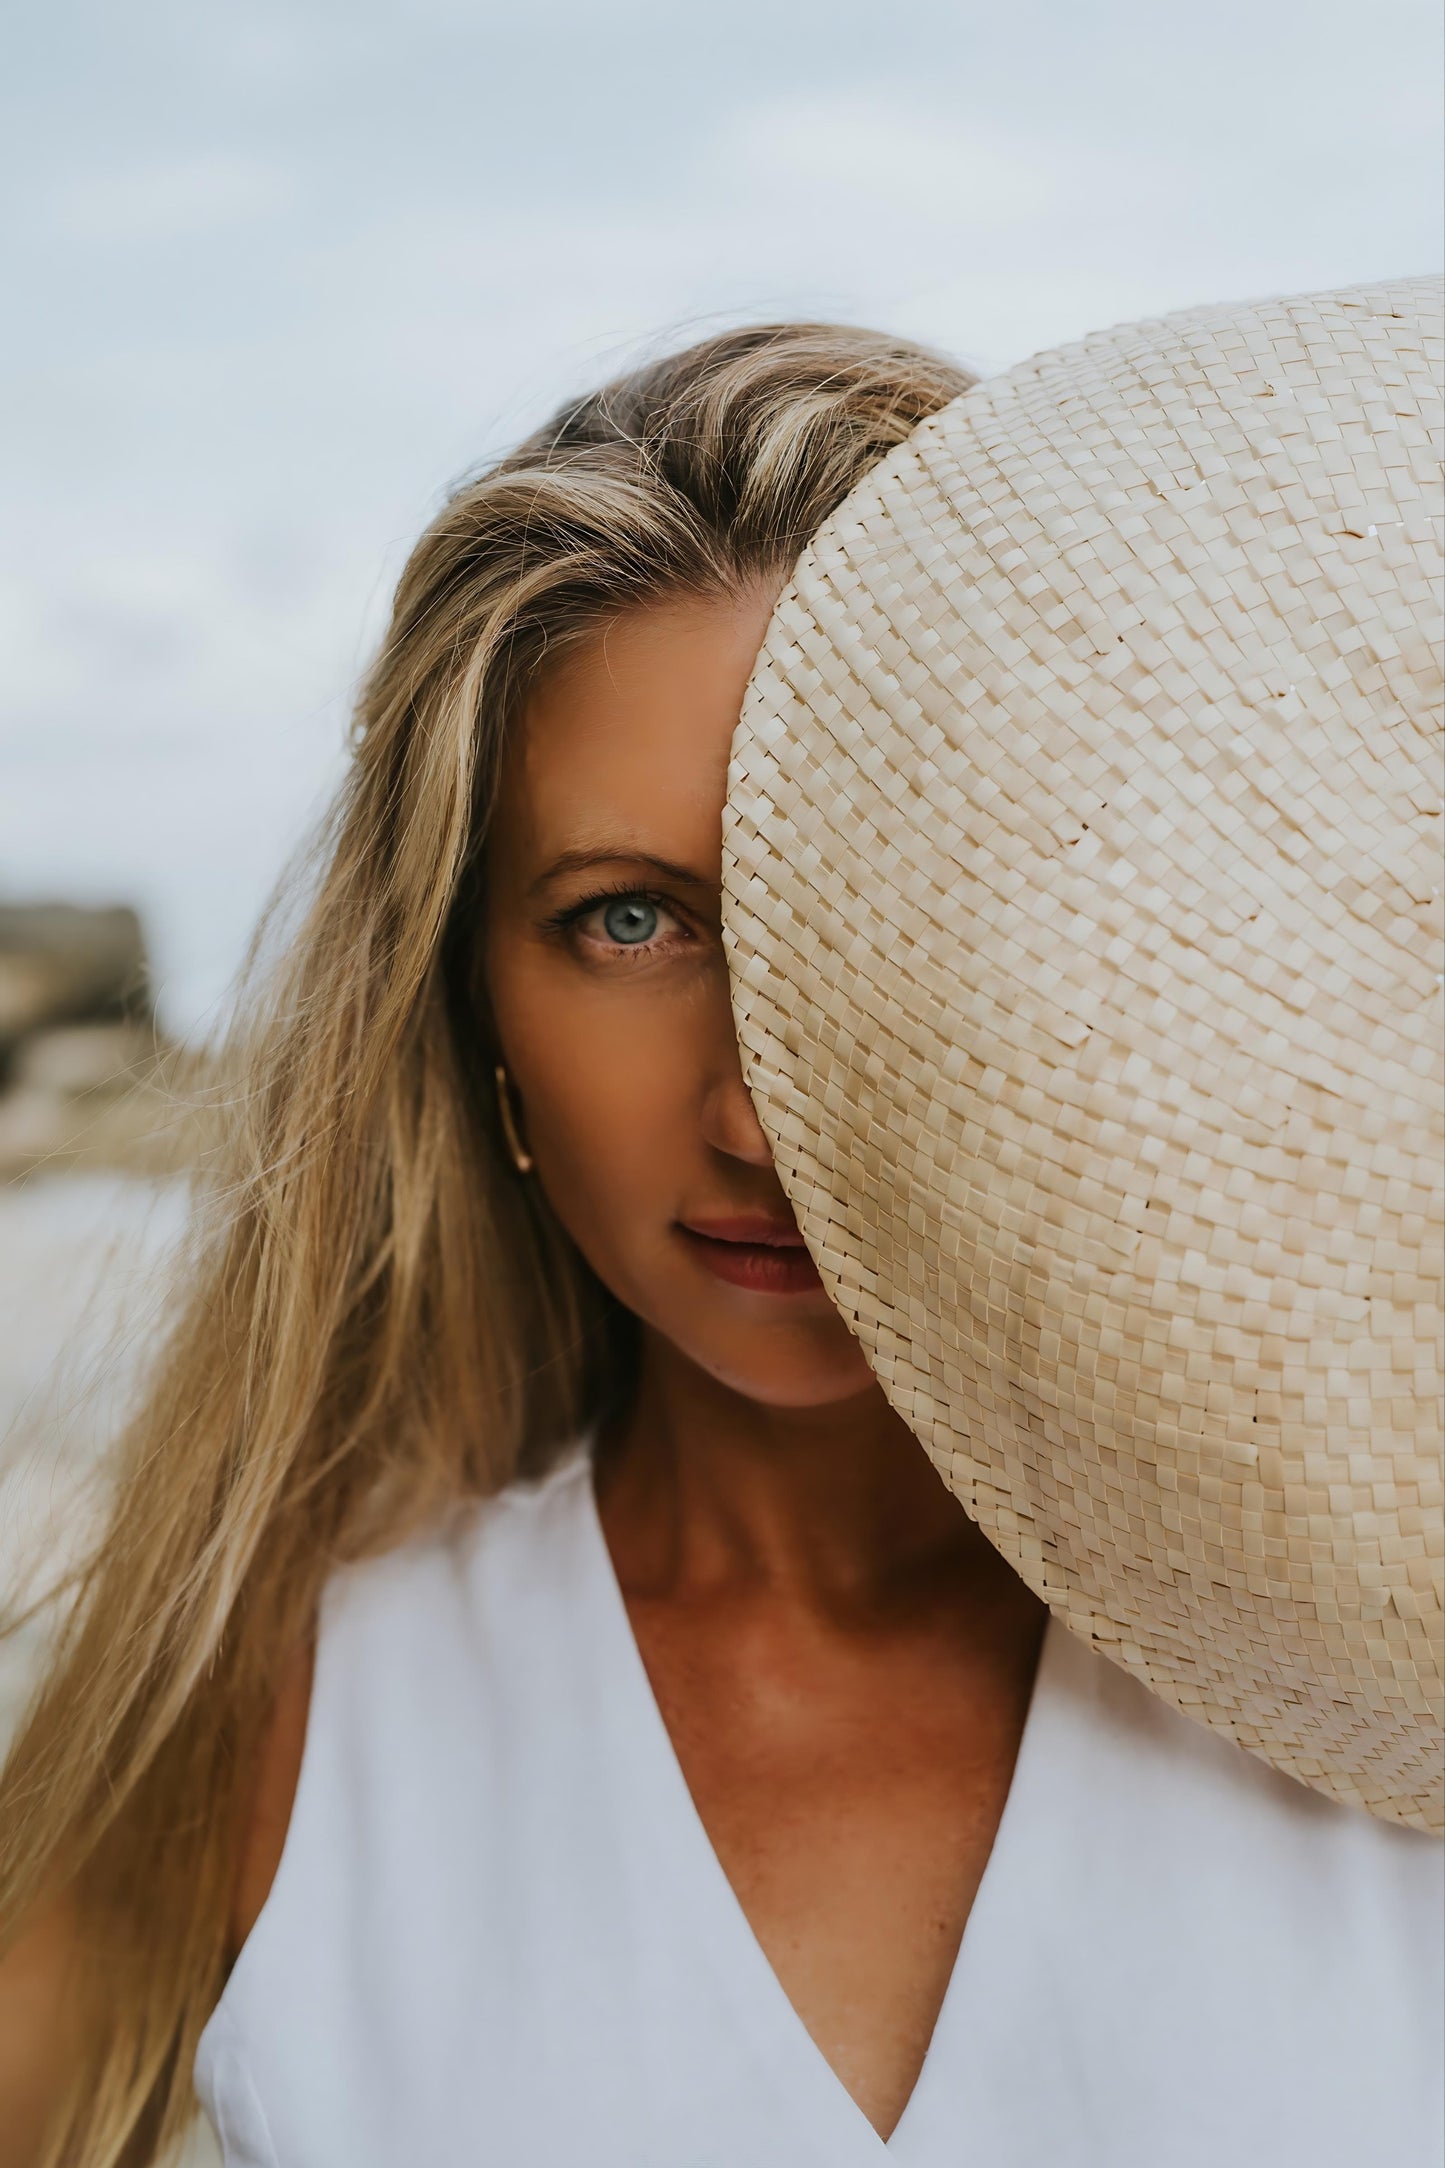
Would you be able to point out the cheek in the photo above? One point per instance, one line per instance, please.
(612, 1081)
(609, 1101)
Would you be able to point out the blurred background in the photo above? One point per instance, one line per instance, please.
(277, 273)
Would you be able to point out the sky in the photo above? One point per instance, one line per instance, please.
(277, 274)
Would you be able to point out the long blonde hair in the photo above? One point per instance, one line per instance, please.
(380, 1319)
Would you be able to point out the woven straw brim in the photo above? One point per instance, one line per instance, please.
(1082, 887)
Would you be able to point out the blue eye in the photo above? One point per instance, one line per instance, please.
(630, 920)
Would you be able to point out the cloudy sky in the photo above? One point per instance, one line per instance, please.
(276, 273)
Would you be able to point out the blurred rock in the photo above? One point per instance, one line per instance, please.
(86, 1080)
(61, 963)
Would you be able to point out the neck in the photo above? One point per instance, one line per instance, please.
(701, 1486)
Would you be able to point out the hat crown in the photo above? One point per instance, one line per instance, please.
(1082, 893)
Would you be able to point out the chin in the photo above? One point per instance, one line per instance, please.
(809, 1378)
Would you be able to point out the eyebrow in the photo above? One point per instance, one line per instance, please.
(579, 861)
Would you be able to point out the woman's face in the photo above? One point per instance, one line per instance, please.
(609, 987)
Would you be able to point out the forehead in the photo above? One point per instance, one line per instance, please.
(626, 738)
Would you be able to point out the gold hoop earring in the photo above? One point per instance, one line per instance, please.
(522, 1159)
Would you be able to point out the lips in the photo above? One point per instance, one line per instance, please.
(749, 1250)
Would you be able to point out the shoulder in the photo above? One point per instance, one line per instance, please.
(405, 1606)
(42, 2046)
(441, 1599)
(266, 1814)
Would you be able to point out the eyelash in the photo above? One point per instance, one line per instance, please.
(562, 922)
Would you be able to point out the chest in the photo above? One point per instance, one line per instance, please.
(850, 1788)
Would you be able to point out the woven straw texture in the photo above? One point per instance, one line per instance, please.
(1082, 880)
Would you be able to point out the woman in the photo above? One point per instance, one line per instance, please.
(534, 1702)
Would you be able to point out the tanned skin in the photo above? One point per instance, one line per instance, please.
(842, 1662)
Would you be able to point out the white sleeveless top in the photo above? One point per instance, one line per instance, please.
(499, 1937)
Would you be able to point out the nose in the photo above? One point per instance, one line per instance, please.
(729, 1119)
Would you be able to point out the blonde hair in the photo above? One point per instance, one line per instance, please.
(380, 1319)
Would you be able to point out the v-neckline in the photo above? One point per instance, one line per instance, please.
(770, 2013)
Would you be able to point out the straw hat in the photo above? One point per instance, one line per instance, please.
(1082, 890)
